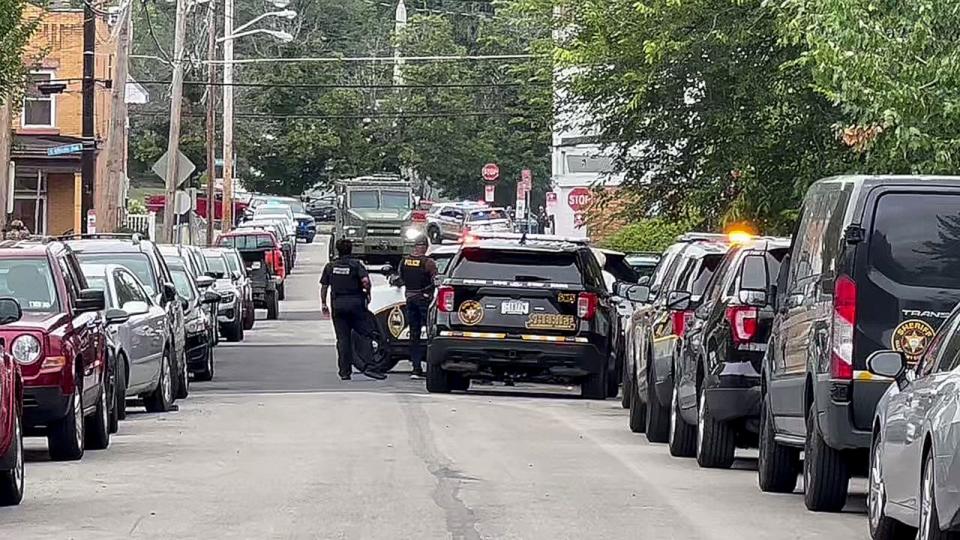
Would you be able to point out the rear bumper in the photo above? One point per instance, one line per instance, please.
(836, 416)
(43, 405)
(561, 359)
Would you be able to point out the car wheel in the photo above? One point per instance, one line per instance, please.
(825, 473)
(929, 517)
(161, 399)
(438, 380)
(12, 480)
(206, 374)
(183, 381)
(629, 388)
(249, 318)
(683, 437)
(121, 393)
(594, 386)
(282, 291)
(778, 465)
(435, 236)
(459, 382)
(309, 239)
(638, 411)
(613, 383)
(716, 440)
(65, 436)
(658, 416)
(273, 306)
(234, 332)
(98, 424)
(882, 527)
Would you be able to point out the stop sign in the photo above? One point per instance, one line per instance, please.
(579, 198)
(491, 172)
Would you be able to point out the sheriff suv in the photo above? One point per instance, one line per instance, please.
(525, 309)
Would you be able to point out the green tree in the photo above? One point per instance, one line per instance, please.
(15, 30)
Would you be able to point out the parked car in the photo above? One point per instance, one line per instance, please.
(238, 274)
(658, 327)
(263, 259)
(451, 222)
(187, 256)
(913, 469)
(644, 263)
(11, 416)
(143, 258)
(140, 343)
(60, 344)
(200, 331)
(231, 307)
(716, 396)
(872, 267)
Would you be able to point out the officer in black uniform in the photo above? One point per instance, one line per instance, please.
(417, 272)
(349, 284)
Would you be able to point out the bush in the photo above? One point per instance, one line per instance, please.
(136, 207)
(654, 234)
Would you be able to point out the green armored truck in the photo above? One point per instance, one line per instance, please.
(375, 213)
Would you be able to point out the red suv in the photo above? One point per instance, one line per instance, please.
(11, 406)
(60, 345)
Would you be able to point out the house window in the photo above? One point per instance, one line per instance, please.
(39, 110)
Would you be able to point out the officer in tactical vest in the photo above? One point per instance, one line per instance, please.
(349, 284)
(417, 273)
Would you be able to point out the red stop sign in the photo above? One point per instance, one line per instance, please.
(579, 198)
(491, 172)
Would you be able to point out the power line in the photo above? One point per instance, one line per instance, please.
(389, 59)
(357, 85)
(373, 116)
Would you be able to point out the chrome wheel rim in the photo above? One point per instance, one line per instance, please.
(78, 417)
(926, 502)
(673, 415)
(701, 405)
(18, 465)
(104, 413)
(165, 380)
(875, 494)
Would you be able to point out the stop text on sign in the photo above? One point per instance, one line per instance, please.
(579, 198)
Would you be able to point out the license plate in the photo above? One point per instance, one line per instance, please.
(255, 266)
(515, 307)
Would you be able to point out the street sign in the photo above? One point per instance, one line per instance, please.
(491, 172)
(579, 220)
(521, 211)
(579, 198)
(551, 203)
(91, 221)
(65, 149)
(182, 202)
(184, 167)
(526, 178)
(488, 192)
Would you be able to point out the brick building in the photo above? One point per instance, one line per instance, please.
(47, 190)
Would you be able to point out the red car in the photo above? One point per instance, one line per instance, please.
(11, 406)
(60, 345)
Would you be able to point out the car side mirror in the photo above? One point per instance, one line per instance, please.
(643, 280)
(205, 282)
(679, 300)
(168, 293)
(116, 316)
(639, 294)
(135, 308)
(211, 297)
(215, 275)
(10, 311)
(890, 364)
(236, 275)
(91, 300)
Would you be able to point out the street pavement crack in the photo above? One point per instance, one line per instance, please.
(461, 519)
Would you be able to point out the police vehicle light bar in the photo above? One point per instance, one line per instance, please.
(529, 237)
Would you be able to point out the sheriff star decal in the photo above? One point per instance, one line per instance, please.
(396, 321)
(470, 312)
(912, 337)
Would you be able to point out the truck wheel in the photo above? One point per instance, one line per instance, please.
(65, 436)
(11, 481)
(778, 465)
(825, 473)
(97, 430)
(658, 416)
(929, 518)
(273, 306)
(638, 411)
(438, 381)
(281, 291)
(716, 441)
(594, 386)
(682, 438)
(161, 399)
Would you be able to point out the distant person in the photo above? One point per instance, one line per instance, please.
(417, 274)
(542, 220)
(349, 284)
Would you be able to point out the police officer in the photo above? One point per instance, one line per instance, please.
(417, 272)
(349, 284)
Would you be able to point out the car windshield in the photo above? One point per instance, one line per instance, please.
(183, 282)
(487, 215)
(216, 264)
(138, 263)
(364, 199)
(233, 262)
(519, 265)
(395, 200)
(30, 282)
(271, 210)
(247, 241)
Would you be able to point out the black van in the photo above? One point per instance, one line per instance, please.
(875, 264)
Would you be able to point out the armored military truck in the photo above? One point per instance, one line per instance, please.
(375, 212)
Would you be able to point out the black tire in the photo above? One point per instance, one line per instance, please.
(121, 393)
(282, 291)
(613, 384)
(716, 440)
(778, 465)
(438, 380)
(249, 318)
(97, 429)
(638, 411)
(12, 480)
(882, 527)
(65, 436)
(206, 374)
(826, 476)
(434, 234)
(273, 306)
(930, 523)
(183, 381)
(658, 416)
(161, 398)
(682, 438)
(628, 388)
(234, 331)
(309, 239)
(594, 386)
(459, 382)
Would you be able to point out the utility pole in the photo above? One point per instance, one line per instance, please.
(108, 197)
(6, 167)
(176, 102)
(211, 121)
(227, 222)
(87, 163)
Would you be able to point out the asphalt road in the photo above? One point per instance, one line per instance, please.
(278, 447)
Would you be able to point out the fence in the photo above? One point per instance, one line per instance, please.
(145, 224)
(192, 231)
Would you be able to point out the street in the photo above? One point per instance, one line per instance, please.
(278, 447)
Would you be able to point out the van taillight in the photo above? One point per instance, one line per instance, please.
(743, 322)
(445, 299)
(680, 320)
(844, 321)
(586, 305)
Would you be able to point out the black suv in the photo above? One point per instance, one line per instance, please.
(875, 264)
(658, 326)
(716, 391)
(527, 309)
(143, 258)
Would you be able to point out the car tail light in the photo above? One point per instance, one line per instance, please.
(844, 321)
(680, 319)
(586, 305)
(743, 321)
(445, 299)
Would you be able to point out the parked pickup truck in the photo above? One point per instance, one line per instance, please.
(263, 260)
